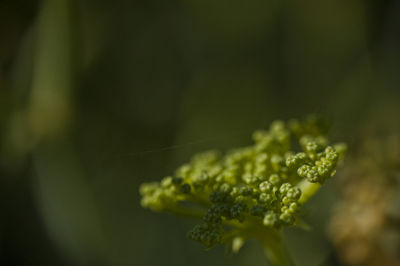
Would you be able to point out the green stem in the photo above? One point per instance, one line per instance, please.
(274, 248)
(50, 108)
(307, 190)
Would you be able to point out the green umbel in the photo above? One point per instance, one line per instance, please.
(259, 188)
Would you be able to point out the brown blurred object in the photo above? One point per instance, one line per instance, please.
(365, 226)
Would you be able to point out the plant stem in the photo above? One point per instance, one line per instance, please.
(307, 190)
(50, 108)
(274, 248)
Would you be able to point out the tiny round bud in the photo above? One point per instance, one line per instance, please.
(265, 186)
(270, 219)
(265, 198)
(274, 179)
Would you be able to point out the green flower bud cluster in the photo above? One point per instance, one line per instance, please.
(254, 186)
(318, 161)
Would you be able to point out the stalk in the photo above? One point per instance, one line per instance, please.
(275, 249)
(307, 190)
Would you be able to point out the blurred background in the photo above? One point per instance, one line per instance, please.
(97, 97)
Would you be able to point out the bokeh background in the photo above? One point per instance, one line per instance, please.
(97, 97)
